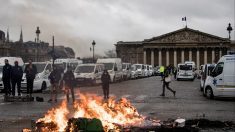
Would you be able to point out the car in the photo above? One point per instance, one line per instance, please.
(41, 81)
(221, 83)
(206, 71)
(134, 72)
(89, 73)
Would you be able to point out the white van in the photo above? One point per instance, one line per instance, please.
(134, 73)
(114, 67)
(185, 72)
(151, 70)
(206, 71)
(69, 62)
(11, 61)
(89, 73)
(126, 69)
(221, 83)
(139, 69)
(41, 81)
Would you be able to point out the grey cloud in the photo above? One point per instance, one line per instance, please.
(77, 22)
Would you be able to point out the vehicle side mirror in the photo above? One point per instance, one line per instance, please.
(47, 71)
(96, 71)
(115, 68)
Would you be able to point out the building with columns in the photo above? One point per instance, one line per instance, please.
(175, 47)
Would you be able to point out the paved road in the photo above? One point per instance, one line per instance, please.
(144, 94)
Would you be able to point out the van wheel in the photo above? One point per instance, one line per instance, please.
(209, 93)
(44, 86)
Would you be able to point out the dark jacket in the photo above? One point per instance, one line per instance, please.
(16, 73)
(30, 72)
(105, 78)
(54, 76)
(69, 78)
(6, 72)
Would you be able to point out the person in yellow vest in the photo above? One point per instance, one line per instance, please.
(161, 71)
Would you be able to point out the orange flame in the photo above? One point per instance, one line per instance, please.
(110, 112)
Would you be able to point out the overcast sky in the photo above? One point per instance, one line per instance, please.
(76, 23)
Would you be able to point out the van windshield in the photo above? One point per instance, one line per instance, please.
(40, 67)
(85, 69)
(138, 66)
(185, 67)
(124, 66)
(108, 66)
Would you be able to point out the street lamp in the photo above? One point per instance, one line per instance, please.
(229, 29)
(93, 44)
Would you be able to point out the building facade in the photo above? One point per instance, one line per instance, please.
(38, 51)
(175, 47)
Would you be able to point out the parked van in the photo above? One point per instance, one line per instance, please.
(114, 67)
(69, 62)
(206, 71)
(134, 73)
(151, 70)
(221, 83)
(89, 73)
(11, 61)
(41, 81)
(185, 72)
(126, 69)
(139, 69)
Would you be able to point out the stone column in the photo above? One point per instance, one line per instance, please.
(160, 57)
(220, 53)
(205, 56)
(198, 59)
(175, 57)
(167, 57)
(182, 55)
(144, 56)
(152, 57)
(190, 55)
(212, 56)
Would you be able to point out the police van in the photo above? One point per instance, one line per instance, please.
(185, 72)
(221, 83)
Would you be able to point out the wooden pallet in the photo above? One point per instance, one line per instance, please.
(18, 99)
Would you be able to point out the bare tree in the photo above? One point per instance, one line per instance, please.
(110, 53)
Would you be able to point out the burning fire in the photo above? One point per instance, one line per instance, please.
(112, 113)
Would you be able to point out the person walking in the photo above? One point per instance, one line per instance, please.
(6, 77)
(161, 71)
(17, 74)
(166, 81)
(69, 81)
(175, 72)
(105, 78)
(31, 71)
(54, 78)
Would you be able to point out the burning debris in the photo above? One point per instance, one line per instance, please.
(90, 109)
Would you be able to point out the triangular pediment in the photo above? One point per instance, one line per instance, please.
(185, 35)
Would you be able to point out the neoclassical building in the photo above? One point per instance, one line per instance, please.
(175, 47)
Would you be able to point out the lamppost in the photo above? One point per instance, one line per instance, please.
(229, 29)
(93, 45)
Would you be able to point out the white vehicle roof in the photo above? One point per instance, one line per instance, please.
(11, 61)
(227, 58)
(69, 60)
(109, 60)
(90, 64)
